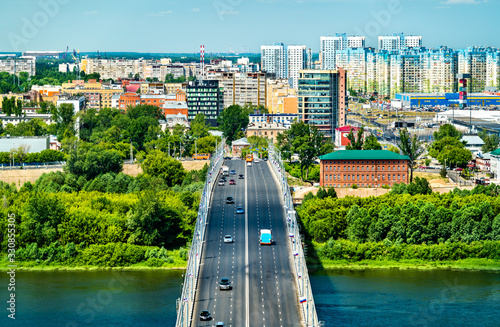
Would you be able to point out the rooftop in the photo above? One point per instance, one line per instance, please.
(472, 140)
(363, 155)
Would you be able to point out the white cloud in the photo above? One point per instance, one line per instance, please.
(94, 12)
(462, 2)
(196, 9)
(161, 13)
(229, 12)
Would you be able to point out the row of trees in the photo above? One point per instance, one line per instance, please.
(234, 120)
(461, 216)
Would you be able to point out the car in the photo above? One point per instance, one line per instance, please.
(227, 158)
(249, 164)
(265, 158)
(241, 177)
(229, 199)
(228, 239)
(221, 183)
(240, 210)
(232, 182)
(223, 179)
(225, 284)
(219, 324)
(205, 315)
(233, 172)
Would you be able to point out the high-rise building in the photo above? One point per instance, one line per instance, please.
(354, 61)
(273, 60)
(281, 98)
(407, 72)
(322, 99)
(472, 60)
(398, 41)
(330, 44)
(205, 97)
(16, 65)
(297, 59)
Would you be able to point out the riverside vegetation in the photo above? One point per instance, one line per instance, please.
(410, 226)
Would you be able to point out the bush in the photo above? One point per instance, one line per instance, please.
(386, 187)
(355, 186)
(154, 262)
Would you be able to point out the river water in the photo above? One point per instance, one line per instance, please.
(343, 298)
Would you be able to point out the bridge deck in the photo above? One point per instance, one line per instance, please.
(265, 294)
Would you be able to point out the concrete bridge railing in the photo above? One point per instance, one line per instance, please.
(185, 304)
(297, 257)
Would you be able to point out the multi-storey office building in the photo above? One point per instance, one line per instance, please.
(296, 60)
(205, 97)
(322, 100)
(279, 94)
(241, 88)
(273, 60)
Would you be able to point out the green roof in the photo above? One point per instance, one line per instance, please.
(496, 152)
(363, 155)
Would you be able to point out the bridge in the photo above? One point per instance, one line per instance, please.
(269, 283)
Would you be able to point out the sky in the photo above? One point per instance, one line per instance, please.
(165, 26)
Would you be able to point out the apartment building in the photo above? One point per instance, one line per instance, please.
(407, 74)
(277, 92)
(493, 69)
(354, 61)
(472, 60)
(269, 130)
(440, 70)
(273, 60)
(322, 99)
(98, 95)
(16, 65)
(398, 41)
(241, 88)
(330, 44)
(296, 60)
(364, 168)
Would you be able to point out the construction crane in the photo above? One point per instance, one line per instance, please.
(66, 54)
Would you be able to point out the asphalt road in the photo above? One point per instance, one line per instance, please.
(263, 292)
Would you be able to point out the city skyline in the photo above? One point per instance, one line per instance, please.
(174, 27)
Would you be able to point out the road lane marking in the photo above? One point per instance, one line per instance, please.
(247, 271)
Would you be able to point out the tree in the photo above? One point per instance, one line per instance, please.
(331, 193)
(491, 141)
(446, 142)
(411, 147)
(18, 108)
(233, 120)
(394, 149)
(90, 161)
(22, 152)
(355, 143)
(371, 143)
(447, 130)
(159, 164)
(199, 128)
(455, 156)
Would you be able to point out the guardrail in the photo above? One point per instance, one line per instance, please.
(306, 299)
(185, 304)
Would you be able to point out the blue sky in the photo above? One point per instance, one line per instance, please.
(221, 25)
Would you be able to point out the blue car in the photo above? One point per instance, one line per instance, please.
(239, 210)
(233, 172)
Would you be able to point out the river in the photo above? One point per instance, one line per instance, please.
(343, 298)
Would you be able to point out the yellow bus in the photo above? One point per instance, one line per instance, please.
(249, 157)
(201, 156)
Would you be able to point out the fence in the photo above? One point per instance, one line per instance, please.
(298, 260)
(185, 303)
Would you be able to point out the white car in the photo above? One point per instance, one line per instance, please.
(249, 163)
(228, 239)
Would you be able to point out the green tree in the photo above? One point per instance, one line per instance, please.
(89, 161)
(371, 143)
(393, 148)
(447, 130)
(232, 121)
(491, 141)
(199, 128)
(455, 156)
(355, 143)
(159, 164)
(411, 147)
(446, 142)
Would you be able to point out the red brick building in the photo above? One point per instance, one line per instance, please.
(365, 168)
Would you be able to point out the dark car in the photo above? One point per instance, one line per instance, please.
(205, 315)
(265, 158)
(232, 182)
(223, 179)
(229, 199)
(241, 177)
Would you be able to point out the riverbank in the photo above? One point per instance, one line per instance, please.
(33, 266)
(472, 264)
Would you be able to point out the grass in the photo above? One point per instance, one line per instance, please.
(429, 176)
(464, 264)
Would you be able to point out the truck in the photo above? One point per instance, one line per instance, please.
(225, 170)
(266, 237)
